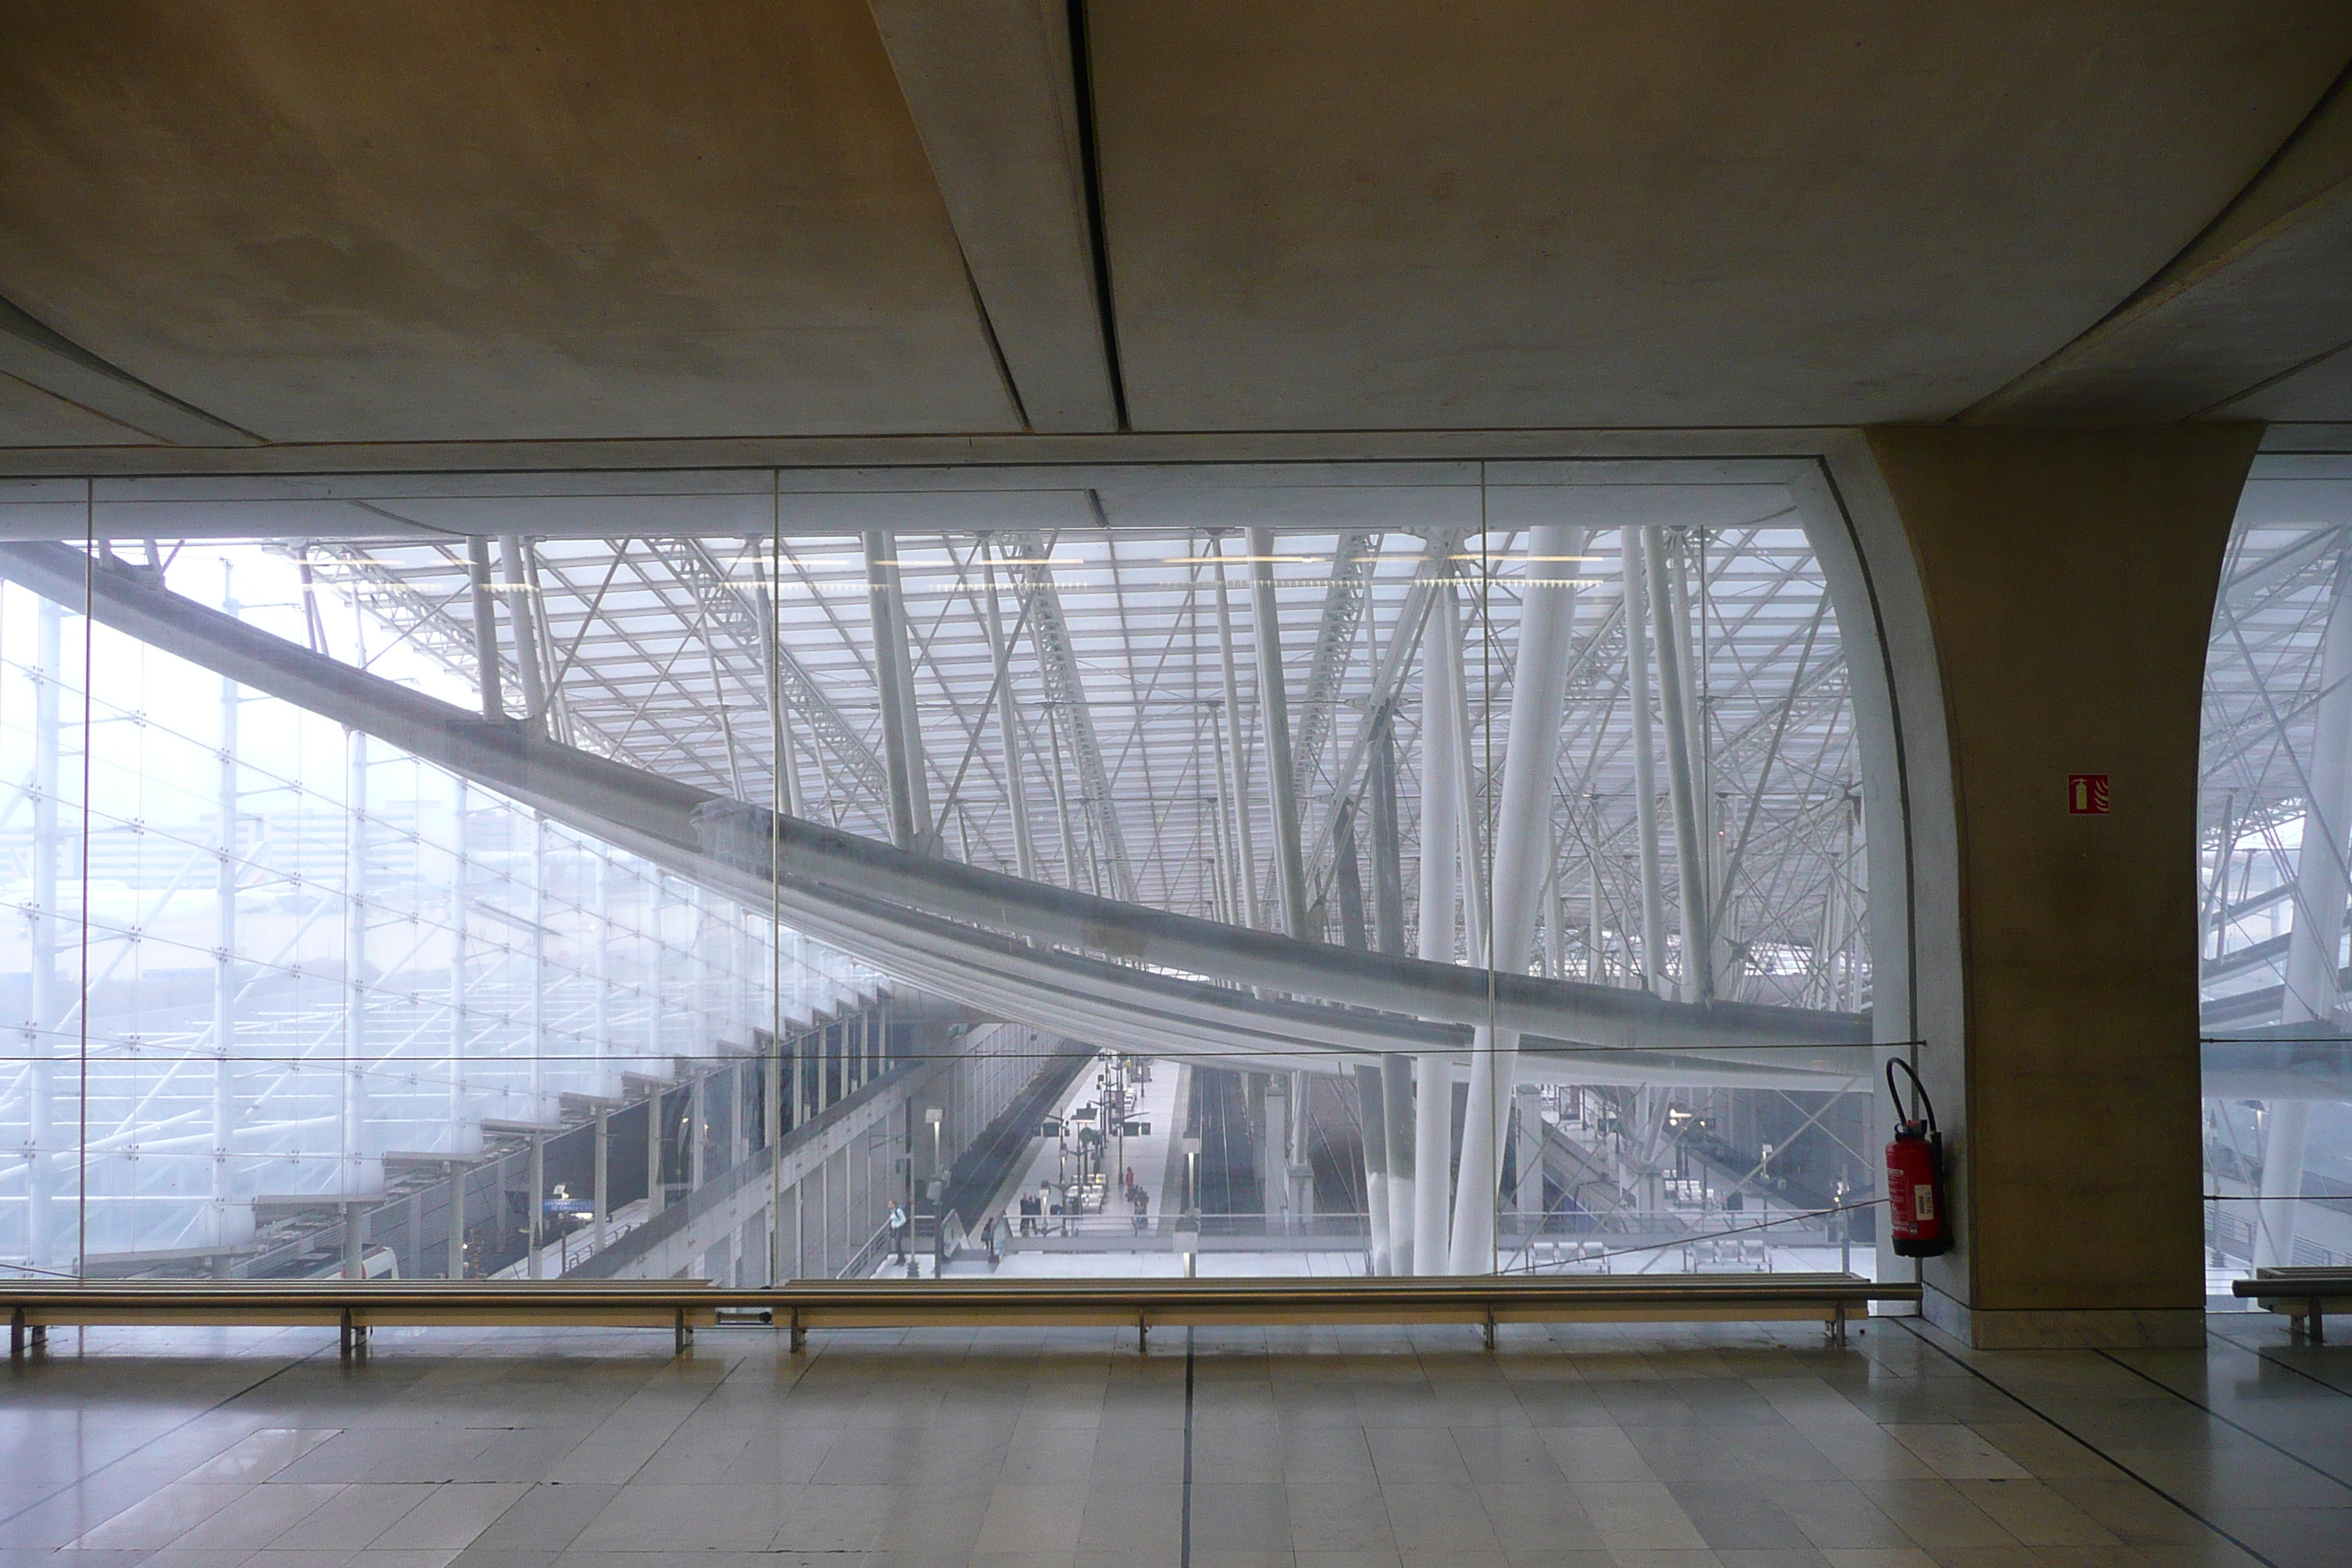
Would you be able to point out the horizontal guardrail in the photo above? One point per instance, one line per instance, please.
(2302, 1294)
(683, 1306)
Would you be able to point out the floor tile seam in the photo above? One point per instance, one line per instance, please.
(807, 1361)
(2155, 1382)
(2256, 1351)
(2091, 1448)
(180, 1426)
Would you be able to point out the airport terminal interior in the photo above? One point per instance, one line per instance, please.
(1370, 785)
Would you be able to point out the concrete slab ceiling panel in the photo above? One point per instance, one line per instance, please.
(497, 221)
(30, 416)
(2245, 319)
(1334, 215)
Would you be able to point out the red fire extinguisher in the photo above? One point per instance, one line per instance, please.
(1914, 1175)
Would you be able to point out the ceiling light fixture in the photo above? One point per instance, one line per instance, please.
(1218, 560)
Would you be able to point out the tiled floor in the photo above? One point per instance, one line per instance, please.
(1652, 1448)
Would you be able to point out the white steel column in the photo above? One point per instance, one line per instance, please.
(459, 871)
(486, 628)
(1397, 1102)
(535, 1217)
(1522, 844)
(354, 966)
(1441, 842)
(2313, 993)
(1682, 781)
(1396, 1071)
(1372, 1119)
(902, 755)
(603, 1198)
(539, 1098)
(1229, 718)
(606, 1076)
(224, 1119)
(45, 920)
(1277, 1187)
(1529, 1129)
(1634, 558)
(1016, 777)
(525, 622)
(656, 1192)
(1593, 971)
(1275, 704)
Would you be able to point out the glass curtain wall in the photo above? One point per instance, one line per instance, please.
(2276, 824)
(298, 1001)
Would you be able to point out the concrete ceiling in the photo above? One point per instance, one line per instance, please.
(503, 220)
(243, 224)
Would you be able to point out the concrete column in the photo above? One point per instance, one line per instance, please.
(2044, 599)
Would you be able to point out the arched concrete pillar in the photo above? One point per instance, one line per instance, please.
(2042, 600)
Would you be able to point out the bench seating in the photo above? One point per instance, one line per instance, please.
(2303, 1294)
(684, 1305)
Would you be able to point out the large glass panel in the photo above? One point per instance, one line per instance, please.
(637, 949)
(2276, 821)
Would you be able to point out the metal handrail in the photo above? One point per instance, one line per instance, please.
(355, 1306)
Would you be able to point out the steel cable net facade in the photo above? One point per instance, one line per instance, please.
(1075, 703)
(285, 951)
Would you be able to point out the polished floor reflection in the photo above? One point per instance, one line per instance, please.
(1661, 1447)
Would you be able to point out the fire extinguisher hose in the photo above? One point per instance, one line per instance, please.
(1917, 1088)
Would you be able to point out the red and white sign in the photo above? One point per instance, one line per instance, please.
(2086, 794)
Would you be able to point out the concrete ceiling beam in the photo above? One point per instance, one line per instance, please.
(995, 93)
(42, 358)
(2254, 302)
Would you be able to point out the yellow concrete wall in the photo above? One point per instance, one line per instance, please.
(2068, 580)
